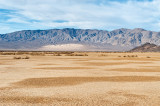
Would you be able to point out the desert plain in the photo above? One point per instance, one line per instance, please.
(79, 79)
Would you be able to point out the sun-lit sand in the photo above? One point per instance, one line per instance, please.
(95, 79)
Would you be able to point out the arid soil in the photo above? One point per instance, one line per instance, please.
(95, 79)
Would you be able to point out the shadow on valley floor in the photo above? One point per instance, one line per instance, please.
(157, 69)
(109, 63)
(68, 81)
(63, 68)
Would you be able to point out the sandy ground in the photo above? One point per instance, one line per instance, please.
(99, 79)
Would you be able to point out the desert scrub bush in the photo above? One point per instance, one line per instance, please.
(81, 54)
(134, 56)
(67, 52)
(16, 57)
(26, 57)
(21, 53)
(37, 53)
(131, 56)
(63, 52)
(8, 53)
(76, 55)
(57, 55)
(148, 57)
(21, 57)
(103, 55)
(69, 55)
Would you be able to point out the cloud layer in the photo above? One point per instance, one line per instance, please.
(87, 14)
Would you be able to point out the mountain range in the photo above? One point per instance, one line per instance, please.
(78, 39)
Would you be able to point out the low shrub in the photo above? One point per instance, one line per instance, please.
(148, 57)
(26, 57)
(21, 57)
(16, 57)
(103, 55)
(76, 55)
(57, 55)
(130, 56)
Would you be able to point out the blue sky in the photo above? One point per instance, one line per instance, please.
(108, 15)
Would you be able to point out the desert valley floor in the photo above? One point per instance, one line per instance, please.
(85, 79)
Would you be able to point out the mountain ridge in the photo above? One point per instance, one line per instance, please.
(80, 29)
(117, 40)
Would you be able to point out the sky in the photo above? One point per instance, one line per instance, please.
(16, 15)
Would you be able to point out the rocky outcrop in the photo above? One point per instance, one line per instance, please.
(147, 47)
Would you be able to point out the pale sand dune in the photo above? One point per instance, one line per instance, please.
(64, 47)
(100, 79)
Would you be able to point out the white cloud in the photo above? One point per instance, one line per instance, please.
(96, 14)
(16, 19)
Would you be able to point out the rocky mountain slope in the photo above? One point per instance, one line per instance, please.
(116, 40)
(147, 47)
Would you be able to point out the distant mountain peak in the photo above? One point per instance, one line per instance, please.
(139, 29)
(121, 30)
